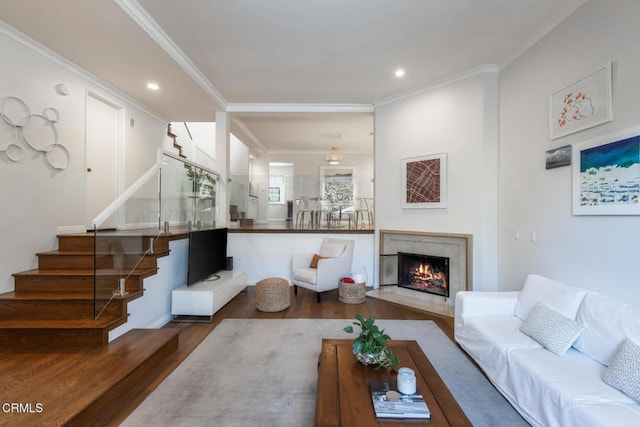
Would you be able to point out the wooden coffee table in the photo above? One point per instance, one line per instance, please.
(344, 398)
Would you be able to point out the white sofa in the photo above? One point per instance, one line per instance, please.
(549, 389)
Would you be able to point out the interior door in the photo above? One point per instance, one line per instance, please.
(102, 146)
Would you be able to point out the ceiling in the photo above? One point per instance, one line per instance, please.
(315, 67)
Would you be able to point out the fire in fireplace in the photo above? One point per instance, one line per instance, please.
(424, 273)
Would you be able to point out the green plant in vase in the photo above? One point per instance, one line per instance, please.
(370, 346)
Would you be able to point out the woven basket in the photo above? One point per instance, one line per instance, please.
(272, 294)
(352, 293)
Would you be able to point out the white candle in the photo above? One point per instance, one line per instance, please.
(406, 381)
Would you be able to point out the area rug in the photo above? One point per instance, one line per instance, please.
(251, 372)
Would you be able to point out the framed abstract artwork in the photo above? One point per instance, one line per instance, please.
(606, 175)
(585, 103)
(425, 181)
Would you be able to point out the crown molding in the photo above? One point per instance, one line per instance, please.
(299, 108)
(52, 56)
(482, 69)
(147, 23)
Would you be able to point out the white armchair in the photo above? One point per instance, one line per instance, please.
(334, 262)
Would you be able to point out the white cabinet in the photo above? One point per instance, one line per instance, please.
(208, 296)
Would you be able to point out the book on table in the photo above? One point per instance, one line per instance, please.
(389, 403)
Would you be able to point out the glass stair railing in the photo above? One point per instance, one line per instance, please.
(175, 194)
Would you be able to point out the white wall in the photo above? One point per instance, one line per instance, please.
(460, 119)
(264, 255)
(239, 172)
(595, 252)
(153, 308)
(36, 198)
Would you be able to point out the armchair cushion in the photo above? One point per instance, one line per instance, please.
(332, 248)
(308, 275)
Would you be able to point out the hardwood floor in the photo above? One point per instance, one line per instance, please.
(64, 378)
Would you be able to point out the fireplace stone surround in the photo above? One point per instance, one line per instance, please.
(456, 247)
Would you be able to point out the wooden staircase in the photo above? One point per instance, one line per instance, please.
(53, 305)
(55, 353)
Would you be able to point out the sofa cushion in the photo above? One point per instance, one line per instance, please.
(553, 391)
(551, 329)
(558, 297)
(607, 323)
(624, 371)
(332, 248)
(490, 339)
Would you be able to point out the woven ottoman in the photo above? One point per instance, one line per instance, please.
(272, 294)
(352, 293)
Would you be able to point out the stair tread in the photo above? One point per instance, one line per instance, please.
(90, 253)
(47, 296)
(84, 272)
(58, 296)
(57, 324)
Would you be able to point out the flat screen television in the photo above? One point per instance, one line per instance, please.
(207, 254)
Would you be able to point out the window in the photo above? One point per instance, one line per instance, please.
(276, 189)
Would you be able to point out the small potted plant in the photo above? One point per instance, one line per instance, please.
(370, 346)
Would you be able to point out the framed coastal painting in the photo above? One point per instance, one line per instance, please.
(606, 175)
(425, 181)
(585, 103)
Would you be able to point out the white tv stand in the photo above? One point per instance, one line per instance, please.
(206, 297)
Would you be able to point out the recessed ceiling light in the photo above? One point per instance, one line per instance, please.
(399, 73)
(153, 86)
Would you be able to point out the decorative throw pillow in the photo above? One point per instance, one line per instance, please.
(624, 371)
(315, 259)
(551, 329)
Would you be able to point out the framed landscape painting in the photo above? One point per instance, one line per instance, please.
(585, 103)
(606, 175)
(558, 157)
(425, 181)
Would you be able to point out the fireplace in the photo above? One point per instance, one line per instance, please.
(425, 273)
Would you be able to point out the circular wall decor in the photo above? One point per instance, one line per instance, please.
(37, 131)
(51, 114)
(14, 111)
(14, 152)
(57, 157)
